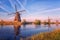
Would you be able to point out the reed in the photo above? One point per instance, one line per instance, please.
(54, 35)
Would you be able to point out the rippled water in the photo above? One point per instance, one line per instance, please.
(12, 32)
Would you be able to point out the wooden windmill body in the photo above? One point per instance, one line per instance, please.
(17, 17)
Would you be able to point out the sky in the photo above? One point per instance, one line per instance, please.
(35, 9)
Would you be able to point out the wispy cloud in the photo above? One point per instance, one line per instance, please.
(50, 10)
(22, 6)
(25, 3)
(12, 4)
(2, 7)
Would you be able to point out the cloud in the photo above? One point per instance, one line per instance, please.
(4, 8)
(12, 4)
(50, 10)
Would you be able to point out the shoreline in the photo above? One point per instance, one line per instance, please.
(53, 35)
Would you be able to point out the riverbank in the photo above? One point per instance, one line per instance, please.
(53, 35)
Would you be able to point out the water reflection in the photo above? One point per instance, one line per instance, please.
(37, 26)
(18, 32)
(24, 27)
(57, 25)
(49, 25)
(16, 29)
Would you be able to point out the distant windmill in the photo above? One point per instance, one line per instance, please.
(49, 20)
(18, 14)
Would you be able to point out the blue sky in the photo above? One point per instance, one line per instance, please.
(35, 9)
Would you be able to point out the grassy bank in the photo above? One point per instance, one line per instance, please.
(54, 35)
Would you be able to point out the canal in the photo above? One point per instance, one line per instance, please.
(14, 32)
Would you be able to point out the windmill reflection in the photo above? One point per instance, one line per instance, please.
(49, 26)
(17, 31)
(57, 23)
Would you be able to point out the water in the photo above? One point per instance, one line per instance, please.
(13, 32)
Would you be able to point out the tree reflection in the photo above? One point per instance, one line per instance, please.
(57, 25)
(37, 26)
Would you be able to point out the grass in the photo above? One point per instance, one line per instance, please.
(54, 35)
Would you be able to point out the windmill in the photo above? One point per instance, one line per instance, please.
(17, 14)
(49, 20)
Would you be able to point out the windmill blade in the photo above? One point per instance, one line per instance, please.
(15, 8)
(22, 11)
(11, 13)
(22, 5)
